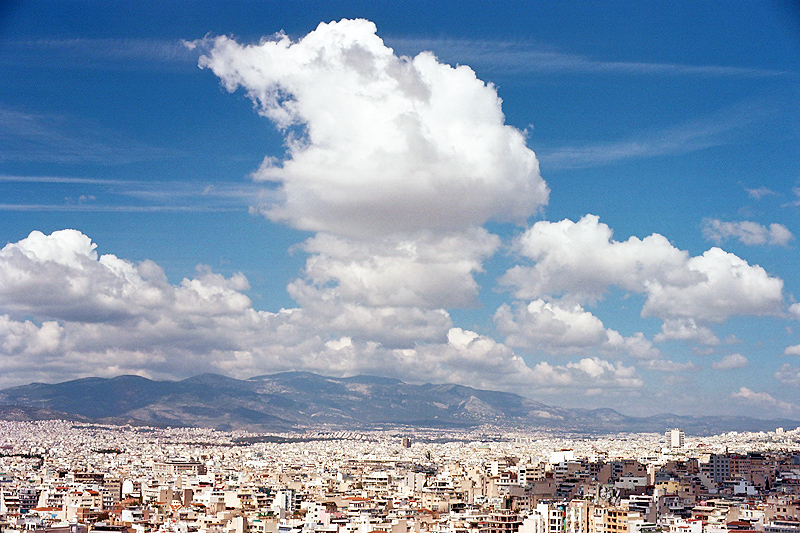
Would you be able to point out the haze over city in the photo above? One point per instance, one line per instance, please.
(589, 206)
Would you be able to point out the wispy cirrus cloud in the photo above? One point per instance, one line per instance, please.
(79, 194)
(519, 57)
(718, 129)
(66, 179)
(114, 208)
(59, 138)
(86, 53)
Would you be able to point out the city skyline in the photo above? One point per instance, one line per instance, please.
(588, 206)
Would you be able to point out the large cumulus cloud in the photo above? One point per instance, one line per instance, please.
(565, 329)
(61, 276)
(378, 143)
(579, 261)
(420, 270)
(395, 162)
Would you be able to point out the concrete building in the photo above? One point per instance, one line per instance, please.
(674, 439)
(176, 466)
(501, 521)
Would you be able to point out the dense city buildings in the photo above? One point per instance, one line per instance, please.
(62, 477)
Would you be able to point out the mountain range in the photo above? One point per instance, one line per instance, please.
(301, 400)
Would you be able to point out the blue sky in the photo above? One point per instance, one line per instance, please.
(253, 210)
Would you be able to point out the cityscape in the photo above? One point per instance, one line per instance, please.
(64, 477)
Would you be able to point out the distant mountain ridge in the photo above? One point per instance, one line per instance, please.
(297, 400)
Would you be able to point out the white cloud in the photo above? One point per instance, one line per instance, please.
(396, 162)
(323, 310)
(637, 345)
(99, 307)
(392, 290)
(750, 233)
(551, 327)
(579, 261)
(663, 365)
(462, 357)
(779, 234)
(27, 339)
(470, 358)
(788, 375)
(730, 287)
(422, 270)
(760, 192)
(762, 398)
(588, 374)
(560, 328)
(647, 355)
(792, 350)
(60, 276)
(729, 362)
(386, 144)
(686, 329)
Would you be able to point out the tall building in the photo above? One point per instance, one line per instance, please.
(674, 439)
